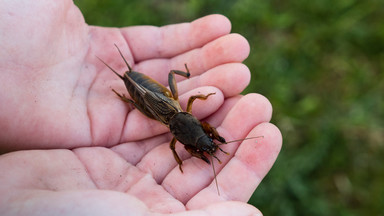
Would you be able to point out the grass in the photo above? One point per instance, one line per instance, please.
(321, 65)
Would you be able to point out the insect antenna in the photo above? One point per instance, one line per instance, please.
(214, 173)
(221, 150)
(129, 67)
(247, 138)
(213, 156)
(121, 77)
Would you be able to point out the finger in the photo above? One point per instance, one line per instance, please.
(44, 170)
(218, 117)
(250, 111)
(225, 49)
(76, 202)
(232, 208)
(110, 172)
(102, 46)
(148, 42)
(240, 177)
(232, 48)
(223, 209)
(231, 79)
(96, 172)
(133, 152)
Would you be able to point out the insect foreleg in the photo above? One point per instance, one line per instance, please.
(193, 98)
(212, 131)
(194, 152)
(177, 158)
(172, 80)
(214, 134)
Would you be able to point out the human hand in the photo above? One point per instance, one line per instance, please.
(56, 94)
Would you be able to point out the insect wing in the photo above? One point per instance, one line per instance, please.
(161, 106)
(156, 99)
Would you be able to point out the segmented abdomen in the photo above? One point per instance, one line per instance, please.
(154, 100)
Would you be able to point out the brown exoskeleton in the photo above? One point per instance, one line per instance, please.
(157, 102)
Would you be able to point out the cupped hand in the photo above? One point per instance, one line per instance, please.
(106, 158)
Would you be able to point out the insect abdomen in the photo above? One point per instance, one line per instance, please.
(154, 99)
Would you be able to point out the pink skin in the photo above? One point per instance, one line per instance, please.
(106, 158)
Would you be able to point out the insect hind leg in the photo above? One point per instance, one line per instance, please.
(123, 98)
(194, 97)
(130, 101)
(172, 80)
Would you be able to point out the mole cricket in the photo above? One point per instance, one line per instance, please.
(157, 102)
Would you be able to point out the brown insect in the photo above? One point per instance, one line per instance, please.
(157, 102)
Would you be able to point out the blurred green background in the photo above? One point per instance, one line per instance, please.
(320, 63)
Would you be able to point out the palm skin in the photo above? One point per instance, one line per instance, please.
(101, 157)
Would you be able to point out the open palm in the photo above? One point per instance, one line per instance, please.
(105, 157)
